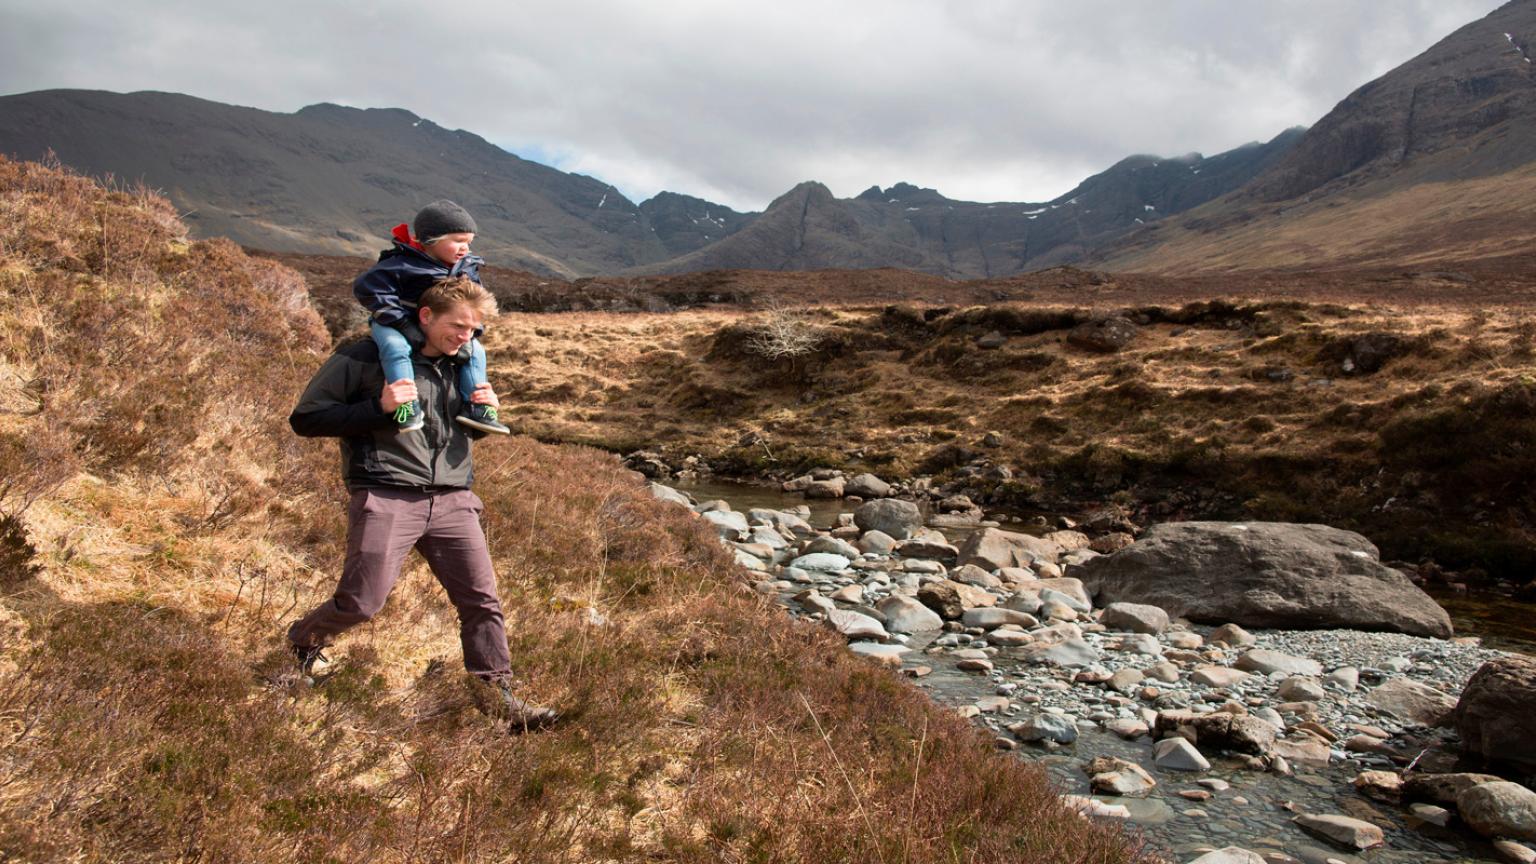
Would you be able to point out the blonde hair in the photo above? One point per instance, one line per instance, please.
(445, 294)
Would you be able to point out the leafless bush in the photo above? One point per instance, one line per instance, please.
(784, 334)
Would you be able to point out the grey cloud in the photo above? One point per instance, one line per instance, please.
(982, 99)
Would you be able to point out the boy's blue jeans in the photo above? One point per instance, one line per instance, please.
(395, 357)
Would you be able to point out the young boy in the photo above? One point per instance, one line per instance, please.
(391, 288)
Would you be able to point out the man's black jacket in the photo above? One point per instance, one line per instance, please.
(342, 400)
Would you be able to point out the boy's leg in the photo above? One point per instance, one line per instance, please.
(395, 357)
(454, 546)
(472, 372)
(382, 526)
(472, 375)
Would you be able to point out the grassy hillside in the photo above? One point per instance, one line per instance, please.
(1402, 223)
(159, 525)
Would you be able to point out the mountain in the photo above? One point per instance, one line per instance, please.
(329, 179)
(908, 226)
(1434, 160)
(684, 223)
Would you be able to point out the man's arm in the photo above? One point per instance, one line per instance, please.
(335, 403)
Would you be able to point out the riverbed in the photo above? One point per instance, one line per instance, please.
(1494, 618)
(1236, 805)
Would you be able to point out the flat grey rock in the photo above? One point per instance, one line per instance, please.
(825, 562)
(1265, 574)
(1177, 754)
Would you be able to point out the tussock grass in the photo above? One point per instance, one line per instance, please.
(159, 526)
(1219, 408)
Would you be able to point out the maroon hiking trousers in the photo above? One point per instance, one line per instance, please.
(382, 526)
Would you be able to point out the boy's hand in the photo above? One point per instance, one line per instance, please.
(484, 395)
(397, 393)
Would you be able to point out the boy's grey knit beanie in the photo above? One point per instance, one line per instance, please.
(442, 217)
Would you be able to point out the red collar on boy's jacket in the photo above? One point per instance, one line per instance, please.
(402, 234)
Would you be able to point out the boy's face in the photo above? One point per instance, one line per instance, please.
(449, 248)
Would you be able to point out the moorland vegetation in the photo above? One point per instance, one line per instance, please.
(159, 525)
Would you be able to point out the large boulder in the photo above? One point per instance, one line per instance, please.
(1264, 574)
(1496, 716)
(1499, 809)
(899, 519)
(992, 549)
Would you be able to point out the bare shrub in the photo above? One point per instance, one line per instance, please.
(784, 334)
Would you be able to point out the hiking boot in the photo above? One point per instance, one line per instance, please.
(496, 699)
(312, 660)
(482, 417)
(408, 417)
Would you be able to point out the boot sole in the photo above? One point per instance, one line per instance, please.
(540, 721)
(495, 429)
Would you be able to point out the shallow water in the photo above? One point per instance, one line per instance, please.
(1499, 621)
(1255, 812)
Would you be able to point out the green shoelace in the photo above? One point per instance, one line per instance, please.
(403, 413)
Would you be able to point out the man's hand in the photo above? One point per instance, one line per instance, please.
(397, 393)
(484, 395)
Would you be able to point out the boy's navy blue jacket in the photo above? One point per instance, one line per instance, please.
(391, 288)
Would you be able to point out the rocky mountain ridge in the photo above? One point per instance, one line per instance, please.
(1436, 159)
(920, 229)
(330, 179)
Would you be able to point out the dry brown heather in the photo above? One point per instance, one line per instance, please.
(160, 525)
(1234, 408)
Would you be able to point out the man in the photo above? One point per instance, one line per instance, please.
(412, 490)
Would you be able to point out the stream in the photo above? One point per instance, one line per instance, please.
(1255, 808)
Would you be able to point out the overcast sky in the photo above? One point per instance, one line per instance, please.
(985, 100)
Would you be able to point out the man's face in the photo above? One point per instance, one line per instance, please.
(450, 330)
(449, 248)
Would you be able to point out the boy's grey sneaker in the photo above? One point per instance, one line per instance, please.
(408, 417)
(482, 417)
